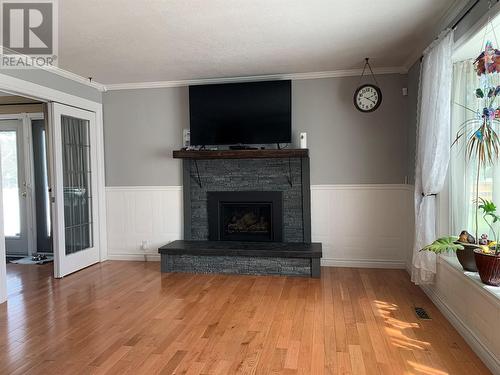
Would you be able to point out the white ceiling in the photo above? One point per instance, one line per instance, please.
(118, 41)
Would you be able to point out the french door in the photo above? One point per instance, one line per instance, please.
(15, 187)
(74, 180)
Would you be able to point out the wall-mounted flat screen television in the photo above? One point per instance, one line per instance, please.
(241, 113)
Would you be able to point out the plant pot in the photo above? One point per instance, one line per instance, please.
(488, 266)
(466, 257)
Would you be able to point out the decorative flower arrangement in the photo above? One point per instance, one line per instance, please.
(488, 61)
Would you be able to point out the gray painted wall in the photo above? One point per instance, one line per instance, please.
(54, 81)
(142, 127)
(347, 146)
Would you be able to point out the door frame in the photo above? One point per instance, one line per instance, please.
(28, 89)
(65, 264)
(29, 175)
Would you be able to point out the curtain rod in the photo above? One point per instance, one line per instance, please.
(462, 17)
(465, 14)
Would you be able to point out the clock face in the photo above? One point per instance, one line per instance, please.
(367, 98)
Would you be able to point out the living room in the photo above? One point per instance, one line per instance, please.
(250, 187)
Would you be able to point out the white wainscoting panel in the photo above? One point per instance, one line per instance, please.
(471, 307)
(359, 225)
(363, 225)
(142, 213)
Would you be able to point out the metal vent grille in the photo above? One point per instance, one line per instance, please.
(421, 313)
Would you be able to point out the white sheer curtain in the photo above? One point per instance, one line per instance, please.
(433, 150)
(463, 171)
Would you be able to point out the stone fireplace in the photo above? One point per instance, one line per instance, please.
(245, 212)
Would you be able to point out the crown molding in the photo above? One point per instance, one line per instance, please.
(266, 77)
(63, 73)
(76, 78)
(204, 81)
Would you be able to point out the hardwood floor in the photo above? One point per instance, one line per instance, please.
(127, 318)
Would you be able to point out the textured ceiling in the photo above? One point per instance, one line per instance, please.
(118, 41)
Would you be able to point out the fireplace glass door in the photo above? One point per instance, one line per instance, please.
(245, 216)
(246, 221)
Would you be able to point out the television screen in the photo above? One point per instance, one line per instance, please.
(241, 113)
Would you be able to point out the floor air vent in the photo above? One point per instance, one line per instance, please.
(421, 313)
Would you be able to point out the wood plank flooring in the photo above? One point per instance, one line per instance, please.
(127, 318)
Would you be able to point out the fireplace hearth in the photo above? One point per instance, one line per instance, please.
(245, 216)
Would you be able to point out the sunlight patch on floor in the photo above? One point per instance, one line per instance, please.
(422, 369)
(401, 334)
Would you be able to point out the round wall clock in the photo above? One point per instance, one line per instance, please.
(367, 98)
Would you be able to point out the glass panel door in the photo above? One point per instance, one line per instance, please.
(14, 187)
(74, 162)
(77, 177)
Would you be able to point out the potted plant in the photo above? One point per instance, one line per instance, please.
(445, 244)
(487, 257)
(465, 255)
(448, 243)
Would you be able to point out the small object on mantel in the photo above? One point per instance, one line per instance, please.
(466, 237)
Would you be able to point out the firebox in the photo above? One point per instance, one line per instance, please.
(245, 216)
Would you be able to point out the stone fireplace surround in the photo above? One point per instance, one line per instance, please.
(284, 171)
(235, 175)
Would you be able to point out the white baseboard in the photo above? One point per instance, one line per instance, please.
(408, 267)
(363, 263)
(135, 257)
(324, 262)
(469, 336)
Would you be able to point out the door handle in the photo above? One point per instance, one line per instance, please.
(24, 194)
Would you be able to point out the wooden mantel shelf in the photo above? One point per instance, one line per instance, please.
(241, 154)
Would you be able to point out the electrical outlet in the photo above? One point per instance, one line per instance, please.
(144, 245)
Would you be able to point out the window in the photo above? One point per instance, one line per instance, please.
(463, 172)
(10, 183)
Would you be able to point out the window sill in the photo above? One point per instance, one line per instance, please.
(492, 292)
